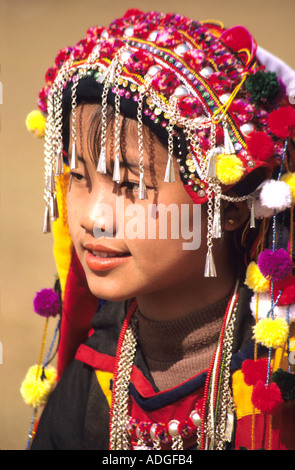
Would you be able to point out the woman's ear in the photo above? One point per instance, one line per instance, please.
(235, 214)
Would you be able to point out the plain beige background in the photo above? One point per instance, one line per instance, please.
(32, 31)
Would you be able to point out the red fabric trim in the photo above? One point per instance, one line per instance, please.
(282, 436)
(95, 359)
(79, 307)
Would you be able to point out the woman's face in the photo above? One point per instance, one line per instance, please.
(122, 245)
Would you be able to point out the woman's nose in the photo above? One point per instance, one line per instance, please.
(99, 215)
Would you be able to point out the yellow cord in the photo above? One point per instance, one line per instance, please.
(224, 107)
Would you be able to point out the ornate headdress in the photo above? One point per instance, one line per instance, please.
(226, 120)
(197, 85)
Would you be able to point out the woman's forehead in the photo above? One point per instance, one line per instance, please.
(89, 116)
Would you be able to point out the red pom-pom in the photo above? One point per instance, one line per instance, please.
(132, 12)
(267, 398)
(287, 286)
(254, 371)
(260, 145)
(281, 121)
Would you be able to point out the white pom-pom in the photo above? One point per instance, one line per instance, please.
(264, 307)
(260, 211)
(275, 195)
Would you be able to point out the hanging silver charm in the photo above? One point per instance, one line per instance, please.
(142, 187)
(59, 164)
(116, 171)
(53, 207)
(169, 173)
(228, 145)
(252, 213)
(210, 270)
(102, 164)
(216, 229)
(46, 222)
(211, 165)
(74, 161)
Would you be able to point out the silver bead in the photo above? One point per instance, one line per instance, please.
(206, 72)
(181, 49)
(153, 70)
(219, 150)
(196, 419)
(247, 128)
(125, 55)
(153, 432)
(181, 91)
(129, 32)
(224, 98)
(152, 36)
(173, 428)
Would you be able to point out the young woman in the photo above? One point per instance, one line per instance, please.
(174, 207)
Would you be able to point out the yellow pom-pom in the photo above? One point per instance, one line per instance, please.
(229, 169)
(271, 333)
(255, 279)
(289, 179)
(37, 386)
(36, 123)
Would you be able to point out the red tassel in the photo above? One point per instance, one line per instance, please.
(281, 121)
(260, 145)
(254, 371)
(266, 398)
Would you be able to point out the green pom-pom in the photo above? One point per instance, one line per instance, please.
(262, 85)
(286, 383)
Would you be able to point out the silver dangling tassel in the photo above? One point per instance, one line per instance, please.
(252, 214)
(59, 164)
(46, 222)
(102, 165)
(74, 161)
(216, 229)
(210, 270)
(142, 186)
(53, 207)
(169, 173)
(52, 182)
(211, 165)
(116, 172)
(228, 145)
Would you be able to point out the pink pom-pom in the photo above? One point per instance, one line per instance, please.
(260, 145)
(47, 303)
(287, 289)
(254, 371)
(281, 121)
(275, 264)
(266, 398)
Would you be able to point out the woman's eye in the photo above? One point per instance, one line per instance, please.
(76, 176)
(129, 185)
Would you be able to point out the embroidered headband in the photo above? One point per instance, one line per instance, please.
(196, 85)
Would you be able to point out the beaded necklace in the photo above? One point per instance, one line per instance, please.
(210, 424)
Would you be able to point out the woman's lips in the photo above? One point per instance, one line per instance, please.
(100, 258)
